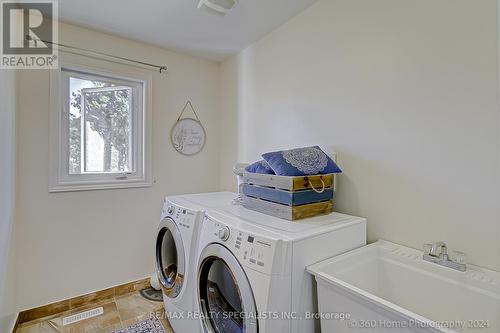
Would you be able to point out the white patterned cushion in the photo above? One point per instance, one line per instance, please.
(301, 162)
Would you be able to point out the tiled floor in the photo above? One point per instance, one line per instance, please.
(119, 312)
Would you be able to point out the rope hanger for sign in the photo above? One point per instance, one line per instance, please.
(188, 103)
(188, 135)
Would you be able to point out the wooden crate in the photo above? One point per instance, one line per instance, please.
(289, 198)
(291, 213)
(289, 183)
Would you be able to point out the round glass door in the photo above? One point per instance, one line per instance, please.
(225, 295)
(170, 258)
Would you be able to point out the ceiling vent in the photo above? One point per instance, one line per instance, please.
(221, 7)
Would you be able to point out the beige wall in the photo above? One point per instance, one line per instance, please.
(77, 242)
(8, 299)
(406, 91)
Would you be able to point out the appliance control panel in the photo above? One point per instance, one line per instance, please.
(251, 250)
(184, 218)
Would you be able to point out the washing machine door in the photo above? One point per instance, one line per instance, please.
(170, 258)
(224, 293)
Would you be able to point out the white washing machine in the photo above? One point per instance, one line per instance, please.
(176, 243)
(251, 268)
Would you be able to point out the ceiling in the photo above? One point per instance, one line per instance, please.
(179, 25)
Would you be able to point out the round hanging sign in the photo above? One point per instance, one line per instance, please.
(188, 136)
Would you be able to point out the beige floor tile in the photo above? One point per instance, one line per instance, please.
(56, 322)
(110, 329)
(131, 321)
(40, 321)
(123, 311)
(134, 305)
(41, 327)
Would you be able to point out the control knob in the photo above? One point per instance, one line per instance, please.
(224, 233)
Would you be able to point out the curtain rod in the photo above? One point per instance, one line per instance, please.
(162, 69)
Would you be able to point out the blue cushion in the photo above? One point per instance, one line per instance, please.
(301, 162)
(260, 167)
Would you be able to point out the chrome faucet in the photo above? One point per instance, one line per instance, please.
(438, 253)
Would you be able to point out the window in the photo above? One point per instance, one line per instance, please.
(102, 130)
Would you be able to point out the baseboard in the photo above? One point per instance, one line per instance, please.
(80, 301)
(16, 323)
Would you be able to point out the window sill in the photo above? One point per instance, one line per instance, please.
(71, 187)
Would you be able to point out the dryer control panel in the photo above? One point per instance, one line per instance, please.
(251, 250)
(184, 218)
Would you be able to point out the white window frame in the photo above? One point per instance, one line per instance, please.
(60, 179)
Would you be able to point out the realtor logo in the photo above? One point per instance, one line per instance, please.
(28, 31)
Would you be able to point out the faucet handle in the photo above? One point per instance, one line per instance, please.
(427, 248)
(459, 257)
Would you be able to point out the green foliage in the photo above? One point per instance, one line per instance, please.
(108, 114)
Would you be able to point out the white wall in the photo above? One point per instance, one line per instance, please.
(79, 242)
(8, 300)
(406, 91)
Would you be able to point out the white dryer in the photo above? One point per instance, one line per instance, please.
(176, 244)
(251, 268)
